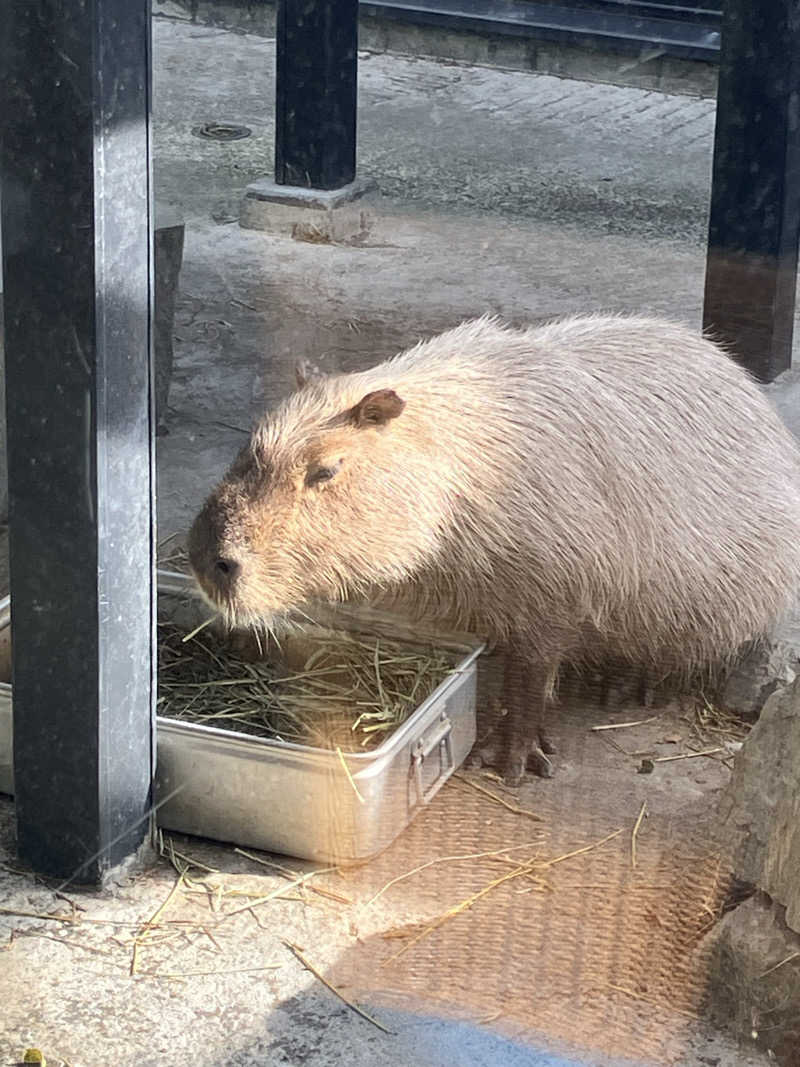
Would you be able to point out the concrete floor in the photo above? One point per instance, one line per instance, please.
(497, 191)
(521, 194)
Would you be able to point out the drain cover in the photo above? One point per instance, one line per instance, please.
(221, 131)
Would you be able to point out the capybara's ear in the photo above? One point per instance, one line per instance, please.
(376, 409)
(305, 372)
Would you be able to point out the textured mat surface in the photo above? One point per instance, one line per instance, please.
(563, 926)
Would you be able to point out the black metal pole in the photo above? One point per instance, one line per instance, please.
(74, 108)
(751, 268)
(315, 93)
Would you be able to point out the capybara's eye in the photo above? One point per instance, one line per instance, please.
(316, 475)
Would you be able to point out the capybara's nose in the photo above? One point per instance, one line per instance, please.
(226, 570)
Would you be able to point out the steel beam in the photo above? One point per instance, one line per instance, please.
(315, 93)
(77, 260)
(751, 269)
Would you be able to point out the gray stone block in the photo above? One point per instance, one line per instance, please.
(771, 665)
(755, 979)
(316, 215)
(761, 806)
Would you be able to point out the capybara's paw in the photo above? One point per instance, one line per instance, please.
(485, 754)
(546, 744)
(538, 761)
(514, 769)
(512, 763)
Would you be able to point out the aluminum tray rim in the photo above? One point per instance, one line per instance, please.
(395, 740)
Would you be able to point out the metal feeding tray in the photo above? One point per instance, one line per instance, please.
(292, 798)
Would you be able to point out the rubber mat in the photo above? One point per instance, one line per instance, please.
(555, 932)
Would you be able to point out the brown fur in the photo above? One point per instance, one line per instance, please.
(598, 486)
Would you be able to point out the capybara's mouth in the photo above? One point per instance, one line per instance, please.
(215, 600)
(233, 612)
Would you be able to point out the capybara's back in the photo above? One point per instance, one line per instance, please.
(601, 485)
(622, 486)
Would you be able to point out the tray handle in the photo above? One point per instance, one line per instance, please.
(438, 738)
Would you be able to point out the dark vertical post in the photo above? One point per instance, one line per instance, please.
(315, 93)
(74, 105)
(755, 196)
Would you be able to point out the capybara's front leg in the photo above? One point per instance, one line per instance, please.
(527, 699)
(519, 741)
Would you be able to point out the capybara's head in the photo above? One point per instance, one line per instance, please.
(320, 504)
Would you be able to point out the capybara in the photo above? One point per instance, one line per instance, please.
(598, 486)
